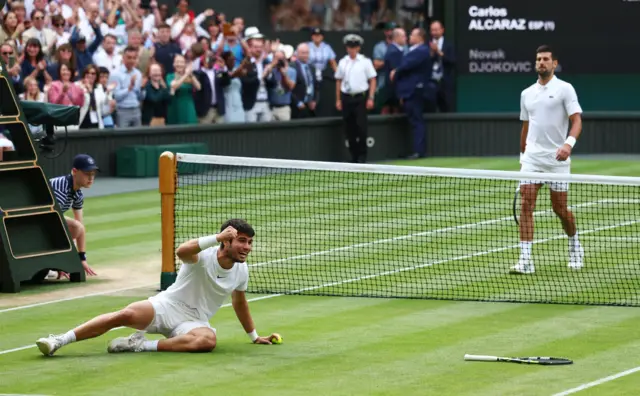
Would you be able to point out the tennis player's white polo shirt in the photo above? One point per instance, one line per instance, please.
(547, 108)
(198, 292)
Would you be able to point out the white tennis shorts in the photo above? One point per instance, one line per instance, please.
(173, 318)
(540, 168)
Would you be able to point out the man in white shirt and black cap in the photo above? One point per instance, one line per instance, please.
(355, 91)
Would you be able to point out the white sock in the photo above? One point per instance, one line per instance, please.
(150, 346)
(69, 337)
(573, 240)
(525, 249)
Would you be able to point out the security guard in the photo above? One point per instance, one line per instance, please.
(355, 92)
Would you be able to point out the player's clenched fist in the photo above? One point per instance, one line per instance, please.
(228, 234)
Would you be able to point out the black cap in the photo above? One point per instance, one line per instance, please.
(316, 30)
(85, 163)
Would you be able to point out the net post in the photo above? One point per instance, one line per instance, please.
(167, 187)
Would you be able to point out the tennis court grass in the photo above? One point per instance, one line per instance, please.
(333, 346)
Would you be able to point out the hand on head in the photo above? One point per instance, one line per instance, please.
(228, 234)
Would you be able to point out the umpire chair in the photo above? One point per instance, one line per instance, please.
(34, 237)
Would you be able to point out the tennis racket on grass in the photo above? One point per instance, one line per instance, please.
(516, 213)
(543, 361)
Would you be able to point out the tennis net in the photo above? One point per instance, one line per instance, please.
(338, 229)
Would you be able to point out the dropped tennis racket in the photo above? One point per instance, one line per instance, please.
(543, 361)
(516, 197)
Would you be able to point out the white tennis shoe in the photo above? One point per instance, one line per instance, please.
(133, 343)
(576, 254)
(524, 266)
(48, 345)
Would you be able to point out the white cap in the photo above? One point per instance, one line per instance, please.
(287, 49)
(252, 32)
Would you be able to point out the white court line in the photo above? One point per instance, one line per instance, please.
(22, 348)
(333, 250)
(464, 257)
(429, 264)
(19, 394)
(73, 298)
(598, 382)
(615, 239)
(430, 232)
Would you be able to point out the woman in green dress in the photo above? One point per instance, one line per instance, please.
(182, 83)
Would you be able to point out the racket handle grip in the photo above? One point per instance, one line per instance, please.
(481, 358)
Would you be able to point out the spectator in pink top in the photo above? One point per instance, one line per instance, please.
(64, 91)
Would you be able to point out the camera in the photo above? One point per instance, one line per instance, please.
(281, 64)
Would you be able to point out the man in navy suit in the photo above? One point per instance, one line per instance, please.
(443, 67)
(306, 93)
(209, 100)
(414, 87)
(393, 58)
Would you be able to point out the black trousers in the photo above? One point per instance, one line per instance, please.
(297, 113)
(354, 114)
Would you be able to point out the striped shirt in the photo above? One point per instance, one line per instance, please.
(62, 187)
(319, 56)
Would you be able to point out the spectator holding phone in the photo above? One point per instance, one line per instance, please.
(280, 80)
(209, 101)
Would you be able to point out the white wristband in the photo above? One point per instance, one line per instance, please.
(253, 335)
(207, 242)
(571, 141)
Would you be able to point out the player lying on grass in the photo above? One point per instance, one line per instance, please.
(181, 313)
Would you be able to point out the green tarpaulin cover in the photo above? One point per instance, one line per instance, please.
(50, 114)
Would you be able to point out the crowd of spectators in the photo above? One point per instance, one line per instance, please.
(129, 63)
(339, 15)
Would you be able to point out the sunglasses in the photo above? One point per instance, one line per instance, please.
(7, 53)
(59, 25)
(38, 18)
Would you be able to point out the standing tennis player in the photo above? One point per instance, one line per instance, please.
(181, 313)
(546, 108)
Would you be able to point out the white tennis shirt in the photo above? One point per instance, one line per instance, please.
(205, 285)
(547, 108)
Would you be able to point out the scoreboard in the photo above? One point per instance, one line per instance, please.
(588, 37)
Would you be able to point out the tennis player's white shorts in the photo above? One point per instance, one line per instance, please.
(541, 168)
(172, 318)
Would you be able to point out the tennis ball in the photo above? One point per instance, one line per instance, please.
(276, 338)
